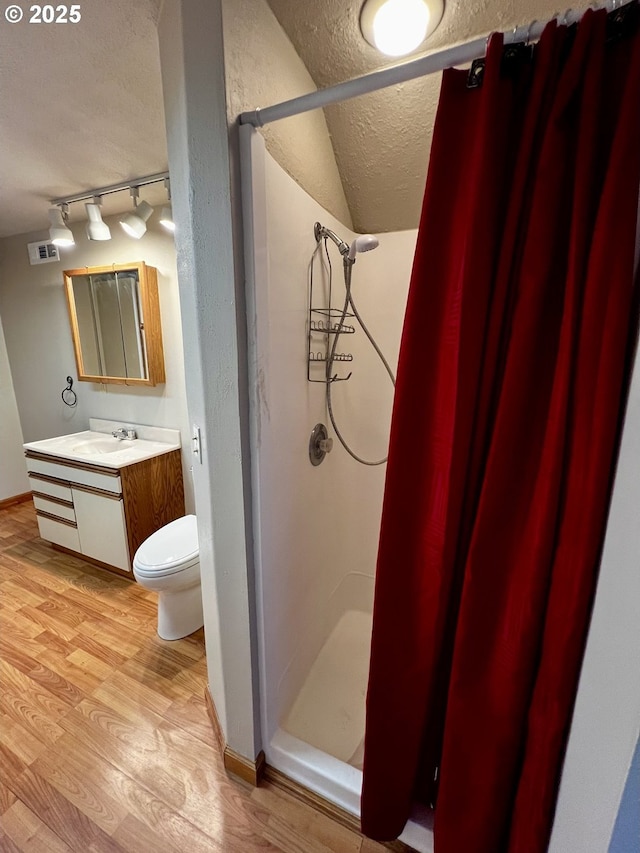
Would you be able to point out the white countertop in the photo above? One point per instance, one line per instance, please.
(98, 447)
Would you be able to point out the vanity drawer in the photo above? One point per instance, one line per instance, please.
(59, 533)
(56, 508)
(109, 482)
(44, 486)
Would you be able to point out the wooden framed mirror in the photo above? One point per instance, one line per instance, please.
(115, 323)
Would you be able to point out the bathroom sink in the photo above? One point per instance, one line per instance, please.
(92, 447)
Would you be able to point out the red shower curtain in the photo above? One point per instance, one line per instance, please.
(510, 392)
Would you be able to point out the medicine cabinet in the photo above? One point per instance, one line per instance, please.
(115, 323)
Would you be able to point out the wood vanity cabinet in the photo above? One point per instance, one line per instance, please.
(103, 514)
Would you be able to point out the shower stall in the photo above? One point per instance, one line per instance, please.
(316, 527)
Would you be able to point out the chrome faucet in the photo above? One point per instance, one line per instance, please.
(122, 433)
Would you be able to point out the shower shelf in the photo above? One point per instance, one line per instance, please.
(339, 356)
(327, 322)
(326, 325)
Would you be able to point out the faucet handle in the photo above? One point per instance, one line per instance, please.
(131, 434)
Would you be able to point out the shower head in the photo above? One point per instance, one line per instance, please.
(363, 243)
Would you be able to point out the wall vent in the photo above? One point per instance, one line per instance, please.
(42, 253)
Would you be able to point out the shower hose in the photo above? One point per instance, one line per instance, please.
(348, 302)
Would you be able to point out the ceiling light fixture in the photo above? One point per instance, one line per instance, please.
(135, 224)
(96, 228)
(166, 215)
(398, 27)
(59, 232)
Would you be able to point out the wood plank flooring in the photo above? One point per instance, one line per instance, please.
(105, 744)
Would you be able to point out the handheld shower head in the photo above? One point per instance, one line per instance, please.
(363, 243)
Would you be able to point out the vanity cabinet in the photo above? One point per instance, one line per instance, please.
(100, 513)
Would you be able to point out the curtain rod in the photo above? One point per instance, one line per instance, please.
(452, 56)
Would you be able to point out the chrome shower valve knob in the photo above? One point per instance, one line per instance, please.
(319, 444)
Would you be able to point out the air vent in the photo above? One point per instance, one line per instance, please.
(42, 253)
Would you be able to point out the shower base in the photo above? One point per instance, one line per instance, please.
(321, 742)
(329, 711)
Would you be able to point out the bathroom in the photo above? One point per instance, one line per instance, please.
(39, 381)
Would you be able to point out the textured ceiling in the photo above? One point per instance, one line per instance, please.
(382, 140)
(81, 104)
(80, 107)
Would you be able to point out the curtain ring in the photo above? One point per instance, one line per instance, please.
(529, 28)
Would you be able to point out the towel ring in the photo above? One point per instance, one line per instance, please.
(69, 396)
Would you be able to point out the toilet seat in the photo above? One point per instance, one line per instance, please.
(169, 550)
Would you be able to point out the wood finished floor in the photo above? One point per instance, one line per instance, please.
(105, 744)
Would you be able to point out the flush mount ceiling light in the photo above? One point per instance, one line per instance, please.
(135, 224)
(166, 215)
(96, 228)
(59, 233)
(398, 27)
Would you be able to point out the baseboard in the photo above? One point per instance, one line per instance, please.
(245, 769)
(234, 763)
(5, 503)
(326, 807)
(256, 771)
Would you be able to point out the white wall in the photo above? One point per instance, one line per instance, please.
(316, 525)
(191, 54)
(40, 349)
(13, 471)
(202, 95)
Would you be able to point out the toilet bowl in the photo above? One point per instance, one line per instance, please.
(168, 562)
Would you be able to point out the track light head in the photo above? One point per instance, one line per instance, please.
(59, 232)
(135, 223)
(96, 228)
(166, 218)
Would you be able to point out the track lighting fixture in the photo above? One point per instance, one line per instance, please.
(96, 228)
(135, 224)
(59, 232)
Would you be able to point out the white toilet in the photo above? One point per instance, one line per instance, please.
(168, 562)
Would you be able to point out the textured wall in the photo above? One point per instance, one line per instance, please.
(263, 68)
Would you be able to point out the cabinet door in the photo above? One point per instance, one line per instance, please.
(59, 533)
(101, 528)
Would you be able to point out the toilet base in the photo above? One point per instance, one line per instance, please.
(180, 613)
